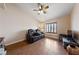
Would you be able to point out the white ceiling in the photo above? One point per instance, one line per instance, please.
(55, 10)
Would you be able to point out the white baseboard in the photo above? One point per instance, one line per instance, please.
(14, 42)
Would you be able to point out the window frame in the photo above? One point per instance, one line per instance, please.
(53, 27)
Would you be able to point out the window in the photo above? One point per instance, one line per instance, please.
(51, 27)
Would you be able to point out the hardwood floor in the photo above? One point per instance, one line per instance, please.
(44, 46)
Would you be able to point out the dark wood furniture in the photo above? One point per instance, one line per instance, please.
(73, 51)
(67, 39)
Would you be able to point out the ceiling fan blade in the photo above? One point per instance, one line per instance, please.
(39, 6)
(46, 7)
(35, 10)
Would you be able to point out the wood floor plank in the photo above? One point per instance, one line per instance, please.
(44, 46)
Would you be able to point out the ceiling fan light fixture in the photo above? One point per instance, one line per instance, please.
(42, 8)
(40, 12)
(39, 7)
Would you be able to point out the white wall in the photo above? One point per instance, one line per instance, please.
(1, 22)
(75, 18)
(15, 23)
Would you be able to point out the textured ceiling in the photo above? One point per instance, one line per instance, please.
(55, 10)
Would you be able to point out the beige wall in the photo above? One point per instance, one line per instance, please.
(63, 24)
(1, 21)
(14, 23)
(42, 26)
(75, 19)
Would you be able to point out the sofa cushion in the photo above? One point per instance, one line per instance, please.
(39, 32)
(65, 40)
(36, 34)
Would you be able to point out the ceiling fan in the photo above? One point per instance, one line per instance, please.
(42, 8)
